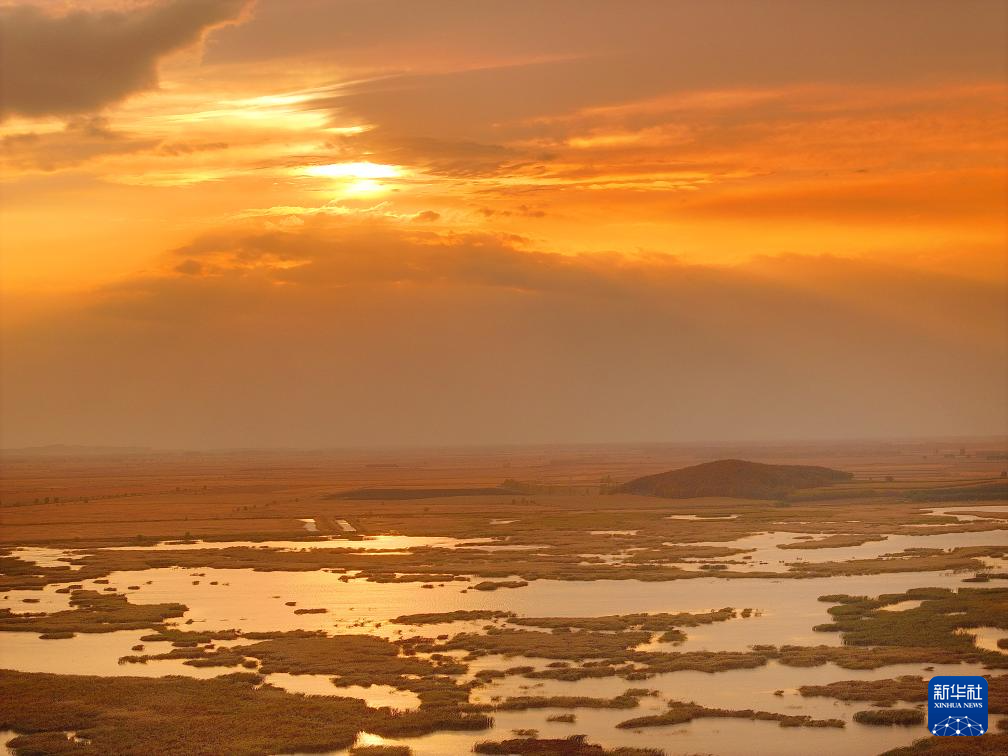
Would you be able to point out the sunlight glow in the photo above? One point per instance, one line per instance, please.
(362, 171)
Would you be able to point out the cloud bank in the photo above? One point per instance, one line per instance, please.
(346, 332)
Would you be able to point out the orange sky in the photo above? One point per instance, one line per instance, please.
(308, 222)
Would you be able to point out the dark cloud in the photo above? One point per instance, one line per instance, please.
(189, 268)
(82, 61)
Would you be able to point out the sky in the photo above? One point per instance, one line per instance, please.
(320, 223)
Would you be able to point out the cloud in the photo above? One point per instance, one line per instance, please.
(83, 61)
(82, 139)
(349, 331)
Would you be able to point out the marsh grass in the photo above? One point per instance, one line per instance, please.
(628, 700)
(890, 717)
(906, 688)
(462, 615)
(988, 744)
(492, 585)
(680, 713)
(622, 622)
(560, 644)
(92, 612)
(834, 541)
(575, 745)
(942, 621)
(184, 715)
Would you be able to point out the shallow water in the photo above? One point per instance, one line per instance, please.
(256, 601)
(364, 543)
(902, 606)
(45, 557)
(992, 511)
(987, 638)
(727, 737)
(786, 611)
(766, 556)
(92, 654)
(25, 602)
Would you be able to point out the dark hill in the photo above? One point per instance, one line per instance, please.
(735, 477)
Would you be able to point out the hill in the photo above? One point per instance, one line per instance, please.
(735, 477)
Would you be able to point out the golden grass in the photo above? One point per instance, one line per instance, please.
(988, 744)
(575, 745)
(628, 700)
(555, 645)
(92, 612)
(906, 688)
(462, 615)
(833, 541)
(491, 585)
(680, 713)
(233, 714)
(938, 622)
(617, 622)
(890, 717)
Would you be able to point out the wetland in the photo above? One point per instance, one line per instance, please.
(329, 604)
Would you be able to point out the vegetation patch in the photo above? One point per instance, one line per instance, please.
(92, 612)
(939, 621)
(621, 622)
(575, 745)
(906, 688)
(491, 585)
(890, 717)
(832, 542)
(462, 615)
(233, 714)
(988, 744)
(680, 713)
(628, 700)
(555, 645)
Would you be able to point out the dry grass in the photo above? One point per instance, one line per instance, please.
(680, 713)
(491, 585)
(555, 645)
(621, 622)
(462, 615)
(907, 688)
(989, 744)
(937, 623)
(833, 541)
(575, 745)
(233, 714)
(92, 612)
(890, 717)
(628, 700)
